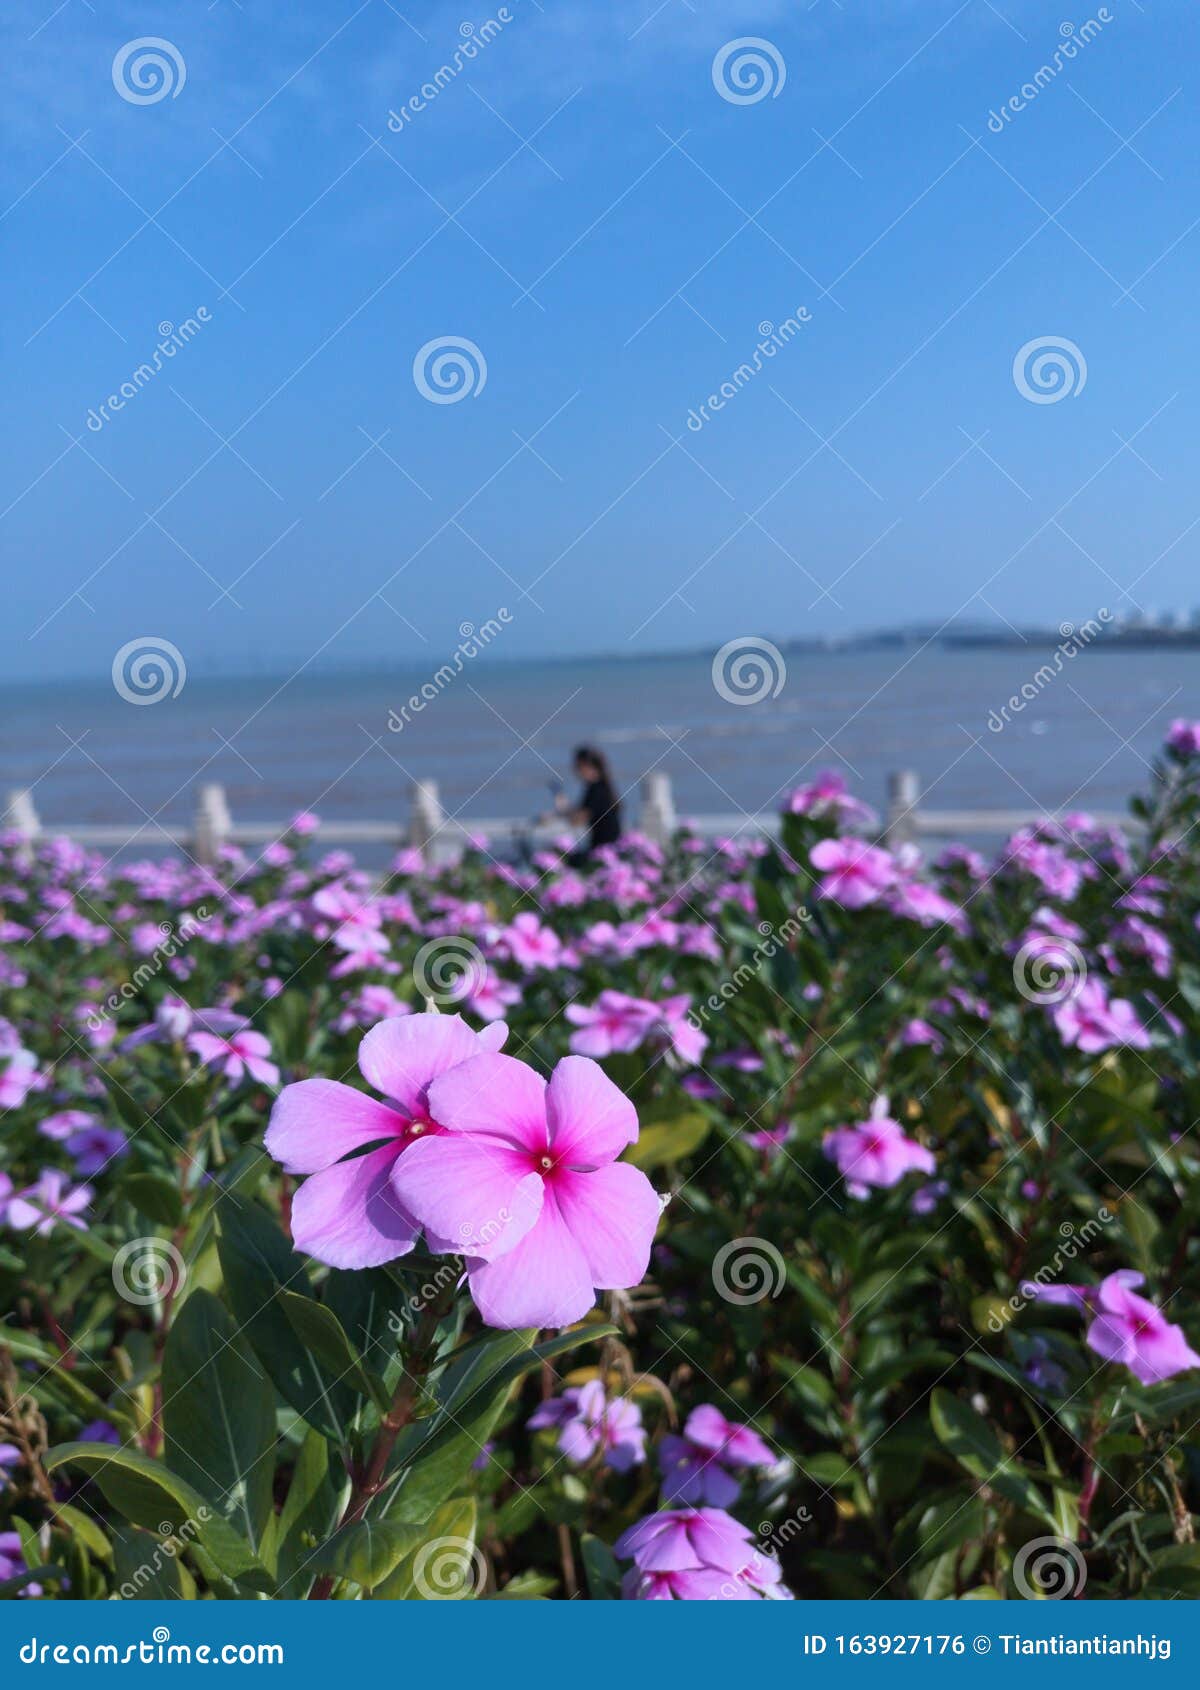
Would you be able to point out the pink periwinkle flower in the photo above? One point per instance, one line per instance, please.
(1092, 1022)
(698, 1465)
(1125, 1328)
(828, 795)
(1183, 737)
(347, 1213)
(589, 1420)
(877, 1152)
(240, 1054)
(51, 1200)
(526, 1180)
(696, 1555)
(615, 1022)
(853, 874)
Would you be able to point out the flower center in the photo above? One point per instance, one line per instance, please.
(546, 1163)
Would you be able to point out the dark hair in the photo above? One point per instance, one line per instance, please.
(589, 754)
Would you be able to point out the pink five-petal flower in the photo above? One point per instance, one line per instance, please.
(876, 1152)
(854, 873)
(1131, 1330)
(526, 1180)
(239, 1054)
(1125, 1328)
(347, 1214)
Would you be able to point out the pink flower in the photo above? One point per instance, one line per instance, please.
(854, 874)
(47, 1202)
(1092, 1022)
(877, 1152)
(616, 1022)
(347, 1214)
(526, 1180)
(236, 1056)
(1183, 737)
(531, 944)
(1126, 1328)
(695, 1554)
(827, 795)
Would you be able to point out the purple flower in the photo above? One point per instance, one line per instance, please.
(1183, 737)
(12, 1562)
(698, 1466)
(589, 1421)
(95, 1147)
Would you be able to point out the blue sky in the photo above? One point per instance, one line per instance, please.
(584, 206)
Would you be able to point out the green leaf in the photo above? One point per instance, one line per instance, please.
(322, 1332)
(150, 1495)
(146, 1570)
(600, 1569)
(435, 1454)
(314, 1504)
(976, 1447)
(367, 1551)
(83, 1526)
(219, 1415)
(446, 1566)
(669, 1140)
(257, 1261)
(155, 1196)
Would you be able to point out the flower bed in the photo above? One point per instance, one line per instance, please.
(724, 1222)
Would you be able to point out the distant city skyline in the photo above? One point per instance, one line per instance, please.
(796, 322)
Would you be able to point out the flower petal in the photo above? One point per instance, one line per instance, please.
(591, 1119)
(496, 1097)
(613, 1215)
(316, 1122)
(543, 1282)
(400, 1056)
(475, 1195)
(349, 1215)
